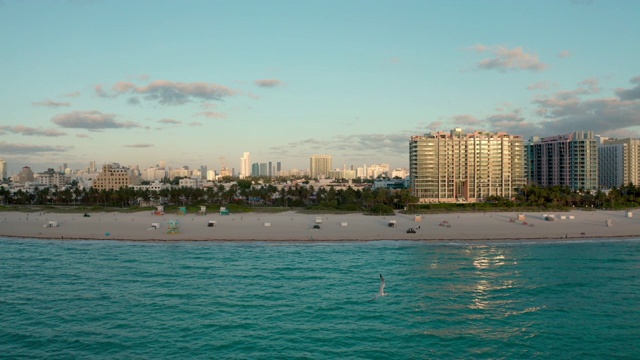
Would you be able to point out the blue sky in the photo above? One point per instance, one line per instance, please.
(188, 82)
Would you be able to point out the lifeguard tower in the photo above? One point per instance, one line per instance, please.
(224, 210)
(174, 227)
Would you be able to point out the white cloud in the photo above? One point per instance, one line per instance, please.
(506, 59)
(29, 131)
(49, 103)
(91, 120)
(268, 83)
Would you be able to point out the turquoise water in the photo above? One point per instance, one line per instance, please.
(104, 299)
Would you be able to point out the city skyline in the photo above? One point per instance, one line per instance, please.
(136, 82)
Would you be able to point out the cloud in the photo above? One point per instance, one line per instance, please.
(195, 123)
(167, 92)
(356, 143)
(29, 131)
(630, 94)
(601, 116)
(268, 83)
(73, 94)
(465, 119)
(564, 54)
(541, 85)
(586, 87)
(100, 92)
(435, 125)
(177, 93)
(170, 121)
(208, 105)
(83, 136)
(139, 145)
(123, 86)
(506, 59)
(211, 115)
(566, 112)
(23, 149)
(134, 100)
(50, 103)
(92, 120)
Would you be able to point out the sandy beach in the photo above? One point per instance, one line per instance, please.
(292, 226)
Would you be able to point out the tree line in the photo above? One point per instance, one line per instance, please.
(326, 198)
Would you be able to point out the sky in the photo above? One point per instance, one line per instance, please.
(201, 82)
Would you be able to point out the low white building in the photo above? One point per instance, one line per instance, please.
(190, 182)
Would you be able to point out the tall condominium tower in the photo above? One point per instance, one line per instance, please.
(564, 160)
(245, 165)
(455, 166)
(618, 162)
(320, 166)
(3, 169)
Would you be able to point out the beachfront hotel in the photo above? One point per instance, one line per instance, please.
(564, 160)
(458, 167)
(320, 166)
(113, 176)
(618, 162)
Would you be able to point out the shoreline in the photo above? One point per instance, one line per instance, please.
(295, 227)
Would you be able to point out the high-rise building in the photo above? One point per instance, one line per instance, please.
(618, 162)
(92, 166)
(255, 169)
(564, 160)
(264, 170)
(455, 166)
(114, 177)
(203, 172)
(245, 165)
(25, 175)
(51, 178)
(3, 169)
(320, 165)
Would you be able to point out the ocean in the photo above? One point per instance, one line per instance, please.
(272, 300)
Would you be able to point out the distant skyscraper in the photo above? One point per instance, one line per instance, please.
(320, 165)
(92, 166)
(245, 165)
(3, 169)
(270, 169)
(278, 168)
(203, 172)
(264, 170)
(163, 164)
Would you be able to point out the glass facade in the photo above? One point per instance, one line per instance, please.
(460, 167)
